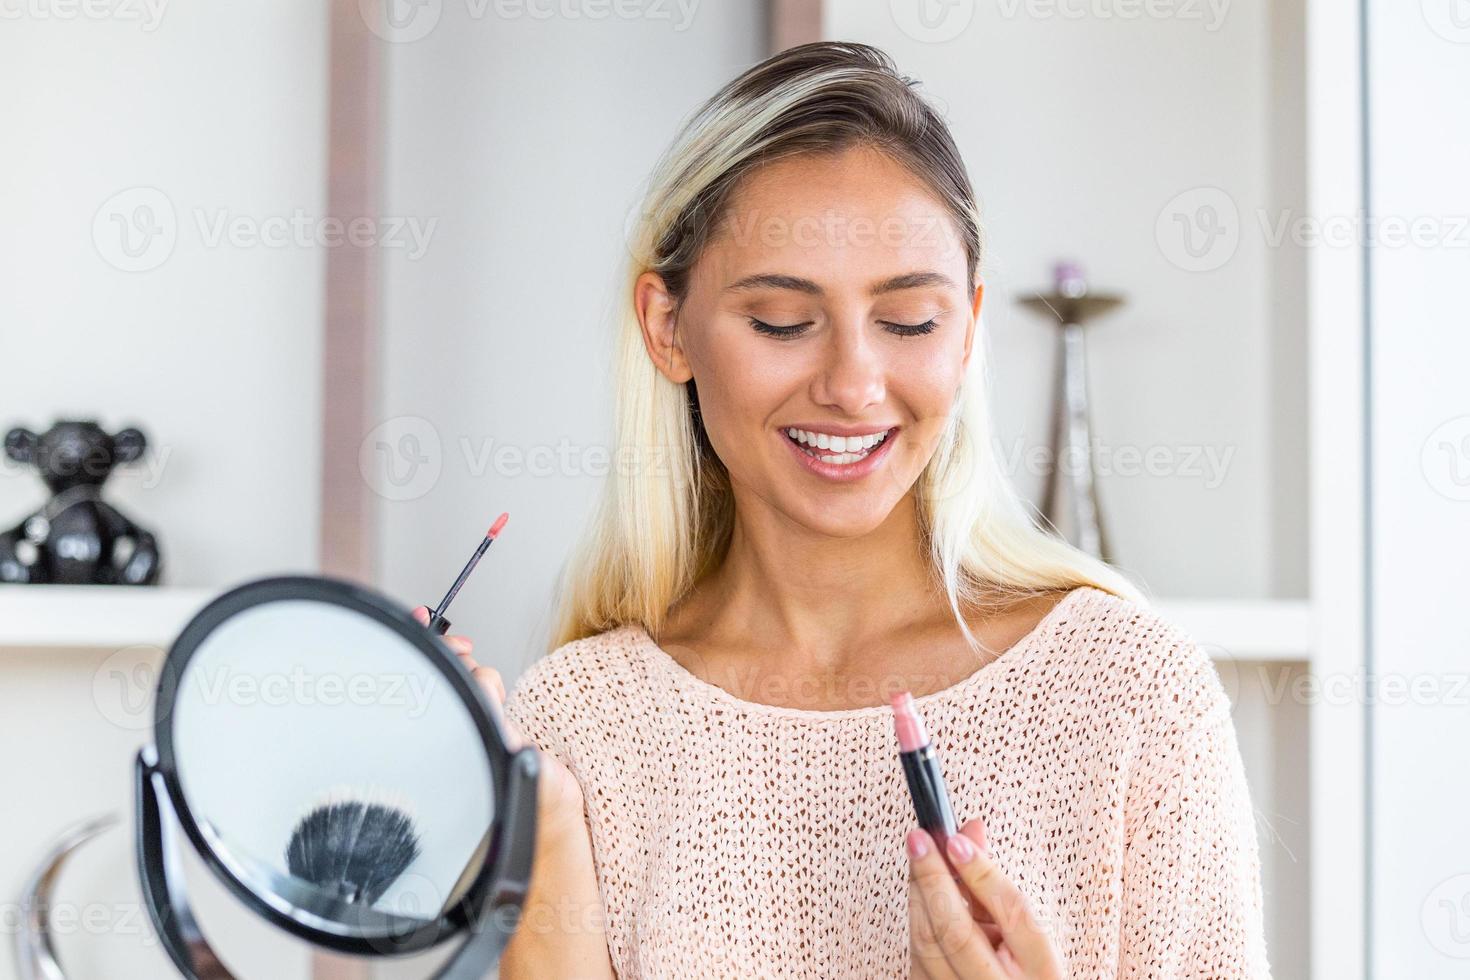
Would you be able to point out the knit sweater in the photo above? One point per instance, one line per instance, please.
(739, 839)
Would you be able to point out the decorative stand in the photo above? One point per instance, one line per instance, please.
(1070, 304)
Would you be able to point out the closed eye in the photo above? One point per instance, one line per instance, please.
(911, 329)
(773, 330)
(797, 329)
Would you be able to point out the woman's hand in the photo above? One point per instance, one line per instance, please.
(559, 798)
(561, 932)
(979, 926)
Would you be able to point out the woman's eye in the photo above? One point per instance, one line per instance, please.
(910, 329)
(774, 330)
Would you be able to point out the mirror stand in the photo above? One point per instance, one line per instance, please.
(492, 919)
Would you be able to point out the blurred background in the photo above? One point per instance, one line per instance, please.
(349, 266)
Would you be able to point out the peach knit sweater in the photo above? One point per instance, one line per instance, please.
(736, 839)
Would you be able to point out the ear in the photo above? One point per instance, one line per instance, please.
(20, 445)
(657, 316)
(128, 446)
(974, 323)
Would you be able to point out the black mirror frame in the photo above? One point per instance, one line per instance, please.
(489, 908)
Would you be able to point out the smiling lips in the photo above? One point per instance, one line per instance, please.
(837, 450)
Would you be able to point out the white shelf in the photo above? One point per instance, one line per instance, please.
(60, 616)
(93, 616)
(1231, 629)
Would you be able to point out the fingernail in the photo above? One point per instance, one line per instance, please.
(961, 851)
(918, 843)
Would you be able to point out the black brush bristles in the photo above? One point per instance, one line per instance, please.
(352, 850)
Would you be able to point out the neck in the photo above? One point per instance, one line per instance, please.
(818, 598)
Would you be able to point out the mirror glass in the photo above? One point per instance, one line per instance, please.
(331, 766)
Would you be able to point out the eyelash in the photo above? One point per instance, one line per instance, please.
(796, 329)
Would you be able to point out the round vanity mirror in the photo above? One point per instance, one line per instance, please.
(339, 770)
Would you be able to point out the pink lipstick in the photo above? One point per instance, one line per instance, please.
(921, 770)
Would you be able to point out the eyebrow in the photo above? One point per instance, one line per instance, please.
(774, 280)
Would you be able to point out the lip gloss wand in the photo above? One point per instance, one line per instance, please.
(437, 622)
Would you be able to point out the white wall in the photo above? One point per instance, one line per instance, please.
(527, 140)
(213, 348)
(1419, 410)
(1086, 136)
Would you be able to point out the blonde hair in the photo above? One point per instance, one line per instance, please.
(667, 510)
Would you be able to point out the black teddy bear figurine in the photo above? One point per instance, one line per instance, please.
(77, 538)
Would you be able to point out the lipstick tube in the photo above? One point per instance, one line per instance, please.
(921, 770)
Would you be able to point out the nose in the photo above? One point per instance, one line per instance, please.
(852, 376)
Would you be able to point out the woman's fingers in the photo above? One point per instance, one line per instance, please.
(1022, 934)
(944, 940)
(488, 678)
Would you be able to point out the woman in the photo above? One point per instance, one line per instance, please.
(807, 517)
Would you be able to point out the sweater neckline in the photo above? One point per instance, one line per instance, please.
(683, 677)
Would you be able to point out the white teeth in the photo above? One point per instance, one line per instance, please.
(842, 450)
(838, 444)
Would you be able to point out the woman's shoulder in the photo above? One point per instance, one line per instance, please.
(575, 678)
(1131, 652)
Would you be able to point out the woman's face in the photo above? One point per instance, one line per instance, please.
(827, 328)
